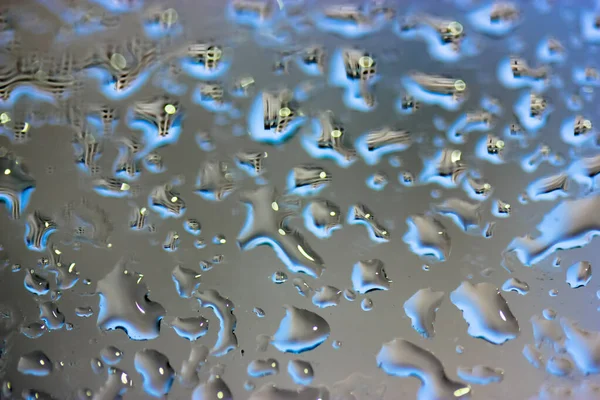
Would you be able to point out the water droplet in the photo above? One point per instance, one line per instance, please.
(190, 328)
(349, 294)
(568, 225)
(186, 281)
(188, 376)
(368, 275)
(214, 388)
(156, 371)
(97, 366)
(559, 366)
(35, 363)
(486, 312)
(223, 309)
(515, 285)
(403, 359)
(192, 226)
(51, 315)
(308, 180)
(300, 330)
(38, 230)
(36, 284)
(260, 313)
(359, 214)
(84, 312)
(264, 226)
(427, 237)
(17, 186)
(220, 239)
(579, 274)
(301, 372)
(302, 287)
(111, 355)
(34, 330)
(279, 277)
(380, 142)
(464, 214)
(366, 304)
(322, 217)
(326, 296)
(261, 368)
(124, 304)
(421, 308)
(480, 374)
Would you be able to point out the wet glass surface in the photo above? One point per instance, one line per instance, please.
(299, 200)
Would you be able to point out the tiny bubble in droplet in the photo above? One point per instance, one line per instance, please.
(336, 344)
(553, 292)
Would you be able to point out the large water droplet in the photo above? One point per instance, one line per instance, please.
(223, 309)
(300, 330)
(403, 358)
(35, 363)
(486, 312)
(124, 304)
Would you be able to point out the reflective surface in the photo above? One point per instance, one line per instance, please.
(299, 200)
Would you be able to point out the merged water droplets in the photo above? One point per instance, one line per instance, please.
(124, 304)
(570, 224)
(223, 309)
(402, 358)
(266, 224)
